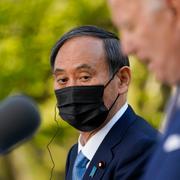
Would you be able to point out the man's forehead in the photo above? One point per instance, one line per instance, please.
(153, 5)
(125, 7)
(125, 10)
(79, 50)
(82, 42)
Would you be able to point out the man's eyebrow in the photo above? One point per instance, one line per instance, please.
(84, 66)
(58, 70)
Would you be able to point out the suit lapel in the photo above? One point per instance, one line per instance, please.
(104, 155)
(71, 160)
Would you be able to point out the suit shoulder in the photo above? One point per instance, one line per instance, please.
(143, 129)
(72, 152)
(136, 148)
(71, 155)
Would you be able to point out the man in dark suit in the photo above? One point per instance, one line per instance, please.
(92, 78)
(151, 30)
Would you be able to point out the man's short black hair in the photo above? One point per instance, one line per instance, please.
(112, 46)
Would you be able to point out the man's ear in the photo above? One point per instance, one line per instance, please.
(174, 5)
(124, 77)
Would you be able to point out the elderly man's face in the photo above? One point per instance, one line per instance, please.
(81, 61)
(148, 30)
(125, 15)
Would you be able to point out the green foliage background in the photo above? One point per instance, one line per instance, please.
(28, 30)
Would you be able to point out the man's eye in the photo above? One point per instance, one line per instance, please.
(85, 78)
(62, 80)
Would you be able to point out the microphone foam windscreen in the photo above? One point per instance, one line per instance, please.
(19, 119)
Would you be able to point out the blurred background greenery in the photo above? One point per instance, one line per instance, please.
(28, 30)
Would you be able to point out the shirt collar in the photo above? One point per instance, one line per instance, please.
(94, 142)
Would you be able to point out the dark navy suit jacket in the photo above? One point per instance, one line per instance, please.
(165, 163)
(124, 151)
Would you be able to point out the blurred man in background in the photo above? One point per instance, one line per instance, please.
(92, 78)
(151, 30)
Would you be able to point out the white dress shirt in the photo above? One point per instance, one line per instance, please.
(90, 148)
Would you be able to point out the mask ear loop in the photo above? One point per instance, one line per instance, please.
(111, 78)
(52, 139)
(114, 102)
(108, 84)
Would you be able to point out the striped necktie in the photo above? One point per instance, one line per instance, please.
(79, 166)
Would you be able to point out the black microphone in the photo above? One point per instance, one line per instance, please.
(19, 119)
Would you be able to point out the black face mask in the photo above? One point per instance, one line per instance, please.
(82, 106)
